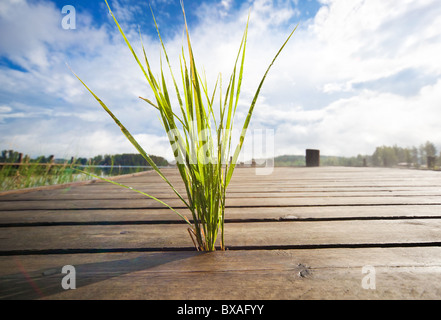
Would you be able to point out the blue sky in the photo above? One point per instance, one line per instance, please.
(356, 74)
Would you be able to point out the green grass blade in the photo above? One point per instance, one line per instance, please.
(202, 155)
(134, 142)
(136, 190)
(250, 112)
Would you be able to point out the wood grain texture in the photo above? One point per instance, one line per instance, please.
(401, 273)
(299, 233)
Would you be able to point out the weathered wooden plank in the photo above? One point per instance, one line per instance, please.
(271, 234)
(275, 181)
(124, 194)
(231, 202)
(400, 273)
(127, 216)
(334, 208)
(334, 177)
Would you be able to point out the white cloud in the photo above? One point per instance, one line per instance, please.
(5, 109)
(337, 87)
(349, 46)
(360, 123)
(357, 75)
(69, 143)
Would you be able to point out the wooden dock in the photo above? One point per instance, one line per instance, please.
(299, 233)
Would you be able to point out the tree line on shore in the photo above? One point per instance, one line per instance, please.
(383, 156)
(387, 156)
(125, 159)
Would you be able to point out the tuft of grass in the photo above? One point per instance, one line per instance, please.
(200, 136)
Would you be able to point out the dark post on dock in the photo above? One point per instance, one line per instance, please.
(312, 158)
